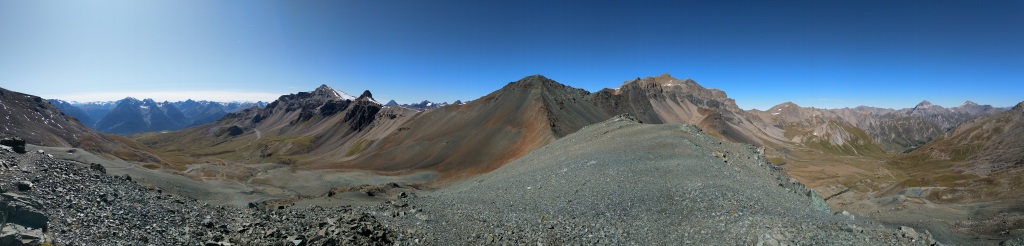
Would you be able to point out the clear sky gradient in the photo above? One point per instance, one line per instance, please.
(815, 53)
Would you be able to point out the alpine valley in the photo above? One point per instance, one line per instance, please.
(657, 160)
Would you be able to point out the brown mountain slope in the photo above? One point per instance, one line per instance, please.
(482, 135)
(967, 183)
(40, 123)
(664, 99)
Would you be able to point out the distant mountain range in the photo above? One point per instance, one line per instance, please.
(130, 115)
(39, 122)
(866, 130)
(424, 105)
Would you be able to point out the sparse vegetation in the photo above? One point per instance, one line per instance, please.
(357, 148)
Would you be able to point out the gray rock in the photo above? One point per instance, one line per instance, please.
(25, 186)
(819, 202)
(99, 168)
(908, 232)
(16, 144)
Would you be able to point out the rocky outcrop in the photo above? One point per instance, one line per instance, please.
(15, 143)
(665, 99)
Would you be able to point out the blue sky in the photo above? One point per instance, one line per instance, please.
(815, 53)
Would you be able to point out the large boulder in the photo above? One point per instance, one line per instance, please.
(17, 144)
(24, 215)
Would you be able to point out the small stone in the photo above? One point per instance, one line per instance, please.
(25, 185)
(909, 232)
(207, 222)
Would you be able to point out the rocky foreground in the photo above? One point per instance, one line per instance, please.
(620, 182)
(617, 182)
(46, 200)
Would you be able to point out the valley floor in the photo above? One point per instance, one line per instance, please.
(867, 187)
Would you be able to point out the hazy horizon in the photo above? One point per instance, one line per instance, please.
(815, 54)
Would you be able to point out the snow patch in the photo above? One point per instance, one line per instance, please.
(342, 94)
(373, 101)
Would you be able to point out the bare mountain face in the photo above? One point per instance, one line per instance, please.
(482, 135)
(322, 126)
(664, 99)
(40, 123)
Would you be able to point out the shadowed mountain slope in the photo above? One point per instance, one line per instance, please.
(38, 122)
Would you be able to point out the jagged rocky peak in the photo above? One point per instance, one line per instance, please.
(130, 100)
(325, 90)
(667, 83)
(1019, 107)
(366, 94)
(969, 103)
(668, 80)
(924, 104)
